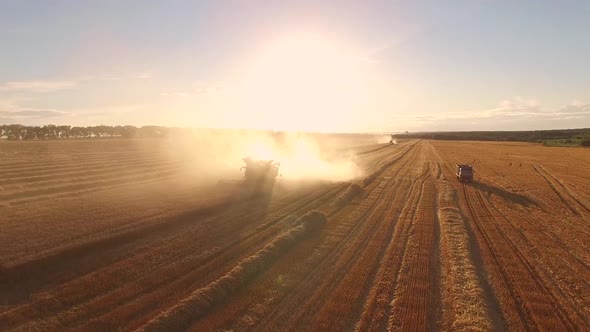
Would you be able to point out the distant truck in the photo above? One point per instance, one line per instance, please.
(465, 173)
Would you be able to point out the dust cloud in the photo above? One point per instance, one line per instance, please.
(382, 139)
(210, 156)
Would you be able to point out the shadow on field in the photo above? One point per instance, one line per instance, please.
(507, 195)
(18, 283)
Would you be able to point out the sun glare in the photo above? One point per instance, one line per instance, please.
(305, 83)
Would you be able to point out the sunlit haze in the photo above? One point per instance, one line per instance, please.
(362, 66)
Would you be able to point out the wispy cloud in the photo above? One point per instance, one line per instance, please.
(10, 102)
(144, 76)
(511, 114)
(33, 114)
(198, 88)
(111, 110)
(178, 94)
(36, 86)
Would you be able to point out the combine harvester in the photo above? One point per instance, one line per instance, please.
(392, 140)
(464, 173)
(259, 177)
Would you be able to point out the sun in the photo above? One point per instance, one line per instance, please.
(305, 83)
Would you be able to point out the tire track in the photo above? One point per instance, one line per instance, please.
(555, 262)
(565, 195)
(536, 306)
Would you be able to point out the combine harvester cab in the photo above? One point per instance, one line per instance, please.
(259, 177)
(464, 173)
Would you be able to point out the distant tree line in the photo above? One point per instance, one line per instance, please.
(580, 136)
(18, 132)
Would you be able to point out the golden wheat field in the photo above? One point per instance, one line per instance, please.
(125, 235)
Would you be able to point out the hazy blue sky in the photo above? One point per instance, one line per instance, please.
(309, 65)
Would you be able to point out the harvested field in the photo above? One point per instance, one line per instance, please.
(118, 235)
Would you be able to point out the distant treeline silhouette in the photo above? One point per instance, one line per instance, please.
(17, 132)
(578, 136)
(51, 132)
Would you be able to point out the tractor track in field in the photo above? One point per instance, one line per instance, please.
(559, 258)
(537, 306)
(565, 195)
(506, 294)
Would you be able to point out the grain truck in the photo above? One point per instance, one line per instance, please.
(464, 173)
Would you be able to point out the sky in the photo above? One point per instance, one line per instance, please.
(330, 66)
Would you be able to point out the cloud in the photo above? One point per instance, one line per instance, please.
(574, 109)
(11, 102)
(33, 114)
(511, 114)
(198, 88)
(144, 76)
(112, 110)
(178, 94)
(36, 86)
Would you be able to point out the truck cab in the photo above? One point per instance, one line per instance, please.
(464, 173)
